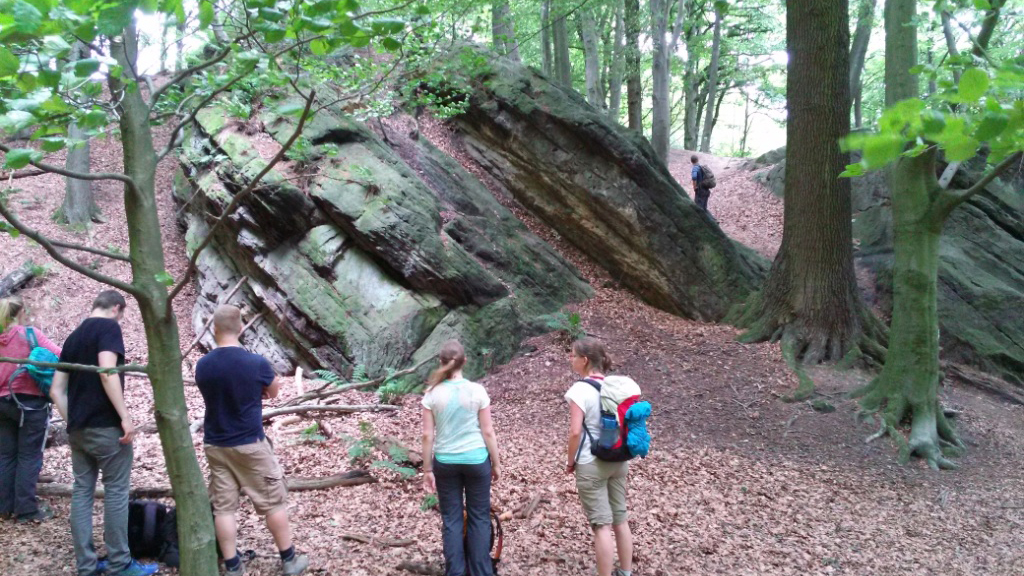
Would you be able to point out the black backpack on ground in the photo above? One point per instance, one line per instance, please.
(153, 531)
(497, 539)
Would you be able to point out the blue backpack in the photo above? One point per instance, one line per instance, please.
(43, 377)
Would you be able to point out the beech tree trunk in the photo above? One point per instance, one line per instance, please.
(634, 88)
(592, 58)
(810, 299)
(661, 118)
(908, 386)
(195, 525)
(563, 65)
(617, 67)
(545, 37)
(858, 54)
(691, 79)
(716, 48)
(503, 29)
(79, 207)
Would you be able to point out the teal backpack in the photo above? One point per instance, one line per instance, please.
(43, 377)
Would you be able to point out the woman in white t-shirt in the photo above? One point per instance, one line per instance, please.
(601, 485)
(460, 455)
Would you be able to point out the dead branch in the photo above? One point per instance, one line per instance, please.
(425, 569)
(390, 542)
(528, 510)
(351, 478)
(209, 322)
(984, 382)
(16, 280)
(328, 389)
(269, 414)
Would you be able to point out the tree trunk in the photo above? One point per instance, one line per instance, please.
(988, 26)
(617, 68)
(545, 37)
(810, 299)
(179, 43)
(900, 51)
(716, 48)
(195, 526)
(16, 279)
(79, 207)
(661, 75)
(563, 65)
(634, 88)
(858, 53)
(691, 114)
(592, 58)
(504, 30)
(908, 385)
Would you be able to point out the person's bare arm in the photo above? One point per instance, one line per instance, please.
(59, 393)
(575, 435)
(491, 440)
(428, 451)
(273, 390)
(112, 386)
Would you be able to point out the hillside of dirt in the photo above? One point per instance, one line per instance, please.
(738, 482)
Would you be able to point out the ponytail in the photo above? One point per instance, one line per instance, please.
(593, 350)
(9, 310)
(453, 358)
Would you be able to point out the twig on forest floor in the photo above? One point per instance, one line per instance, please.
(389, 542)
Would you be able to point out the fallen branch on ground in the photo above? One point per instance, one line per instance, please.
(351, 478)
(530, 507)
(268, 414)
(390, 542)
(425, 569)
(16, 280)
(330, 389)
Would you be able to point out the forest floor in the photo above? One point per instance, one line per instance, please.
(738, 482)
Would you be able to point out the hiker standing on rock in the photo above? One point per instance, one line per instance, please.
(100, 434)
(234, 382)
(601, 485)
(703, 181)
(460, 455)
(24, 417)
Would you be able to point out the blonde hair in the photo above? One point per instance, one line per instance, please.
(452, 357)
(593, 350)
(10, 308)
(227, 320)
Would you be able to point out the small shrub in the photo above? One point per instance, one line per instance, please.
(569, 324)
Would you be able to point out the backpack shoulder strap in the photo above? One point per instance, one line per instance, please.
(592, 382)
(30, 335)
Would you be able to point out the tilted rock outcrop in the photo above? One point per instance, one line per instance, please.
(352, 258)
(600, 186)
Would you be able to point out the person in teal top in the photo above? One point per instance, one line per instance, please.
(460, 455)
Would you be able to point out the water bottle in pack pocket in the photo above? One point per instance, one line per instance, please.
(609, 431)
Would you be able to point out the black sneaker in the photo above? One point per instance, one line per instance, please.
(42, 514)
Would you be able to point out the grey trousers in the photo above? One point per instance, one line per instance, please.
(95, 450)
(22, 433)
(470, 556)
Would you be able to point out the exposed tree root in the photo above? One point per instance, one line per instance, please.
(931, 436)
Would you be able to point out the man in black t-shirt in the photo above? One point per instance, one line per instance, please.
(100, 433)
(234, 383)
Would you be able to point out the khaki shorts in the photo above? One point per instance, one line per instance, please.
(602, 489)
(250, 468)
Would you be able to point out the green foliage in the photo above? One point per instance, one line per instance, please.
(236, 108)
(394, 388)
(429, 501)
(569, 324)
(364, 449)
(312, 433)
(985, 107)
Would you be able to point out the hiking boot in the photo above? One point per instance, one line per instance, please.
(238, 571)
(295, 566)
(42, 514)
(136, 568)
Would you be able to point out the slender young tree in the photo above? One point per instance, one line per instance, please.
(661, 117)
(592, 58)
(79, 207)
(617, 66)
(858, 55)
(716, 50)
(562, 59)
(503, 29)
(634, 86)
(810, 300)
(910, 139)
(545, 37)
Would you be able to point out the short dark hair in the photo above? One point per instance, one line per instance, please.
(694, 159)
(109, 299)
